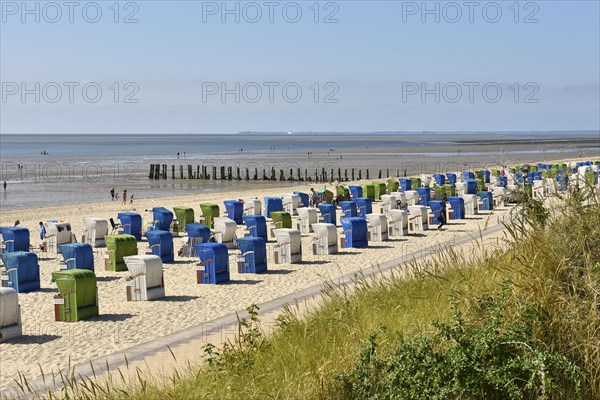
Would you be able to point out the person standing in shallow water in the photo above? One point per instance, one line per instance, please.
(4, 184)
(112, 194)
(124, 196)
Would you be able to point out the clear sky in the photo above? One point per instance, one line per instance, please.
(378, 66)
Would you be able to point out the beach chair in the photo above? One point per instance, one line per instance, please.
(225, 229)
(326, 240)
(209, 212)
(399, 198)
(405, 184)
(468, 175)
(252, 207)
(145, 281)
(160, 243)
(21, 271)
(439, 179)
(119, 246)
(289, 246)
(162, 219)
(349, 209)
(256, 226)
(393, 185)
(77, 256)
(426, 180)
(184, 216)
(57, 233)
(290, 203)
(417, 218)
(412, 197)
(10, 314)
(213, 267)
(253, 255)
(355, 191)
(398, 225)
(498, 194)
(415, 183)
(471, 204)
(234, 210)
(95, 231)
(368, 191)
(280, 220)
(471, 186)
(307, 217)
(388, 203)
(78, 297)
(538, 190)
(378, 227)
(197, 233)
(342, 193)
(326, 196)
(328, 213)
(273, 204)
(451, 178)
(364, 206)
(14, 238)
(449, 189)
(457, 205)
(424, 195)
(461, 188)
(354, 233)
(380, 189)
(486, 200)
(130, 224)
(304, 199)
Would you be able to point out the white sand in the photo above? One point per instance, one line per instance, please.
(121, 324)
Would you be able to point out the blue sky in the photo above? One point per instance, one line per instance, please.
(370, 67)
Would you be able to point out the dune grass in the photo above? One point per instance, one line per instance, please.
(545, 286)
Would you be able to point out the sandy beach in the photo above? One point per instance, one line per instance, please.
(51, 345)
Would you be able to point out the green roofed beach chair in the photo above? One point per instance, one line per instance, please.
(343, 193)
(78, 298)
(326, 195)
(416, 183)
(281, 219)
(369, 191)
(450, 190)
(209, 211)
(439, 192)
(380, 189)
(120, 246)
(393, 185)
(184, 215)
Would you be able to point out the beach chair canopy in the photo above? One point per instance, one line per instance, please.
(161, 243)
(325, 194)
(197, 229)
(349, 208)
(424, 195)
(377, 220)
(215, 259)
(292, 237)
(281, 219)
(258, 258)
(439, 179)
(307, 213)
(16, 238)
(304, 198)
(326, 230)
(364, 206)
(355, 229)
(227, 227)
(437, 207)
(9, 307)
(405, 184)
(256, 225)
(328, 212)
(393, 185)
(60, 230)
(100, 225)
(458, 205)
(355, 191)
(210, 211)
(369, 191)
(380, 189)
(273, 204)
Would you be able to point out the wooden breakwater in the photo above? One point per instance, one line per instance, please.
(212, 172)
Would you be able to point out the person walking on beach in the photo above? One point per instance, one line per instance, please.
(314, 198)
(4, 184)
(42, 237)
(442, 214)
(112, 194)
(125, 196)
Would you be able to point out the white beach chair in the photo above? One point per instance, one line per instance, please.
(307, 217)
(417, 218)
(538, 190)
(225, 229)
(10, 314)
(460, 188)
(95, 231)
(398, 225)
(378, 227)
(289, 246)
(57, 233)
(426, 180)
(498, 194)
(471, 204)
(291, 202)
(145, 281)
(326, 239)
(412, 197)
(252, 207)
(388, 202)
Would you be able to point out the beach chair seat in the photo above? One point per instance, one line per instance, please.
(184, 216)
(369, 191)
(162, 219)
(307, 217)
(289, 246)
(328, 213)
(210, 211)
(398, 225)
(364, 206)
(78, 297)
(378, 227)
(21, 271)
(486, 200)
(412, 198)
(405, 184)
(380, 189)
(355, 191)
(10, 314)
(471, 204)
(225, 231)
(304, 199)
(349, 209)
(57, 233)
(457, 205)
(197, 233)
(130, 224)
(145, 281)
(326, 239)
